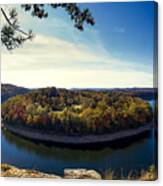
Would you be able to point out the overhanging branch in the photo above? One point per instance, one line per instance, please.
(9, 22)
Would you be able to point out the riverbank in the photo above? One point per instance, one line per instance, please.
(12, 171)
(77, 140)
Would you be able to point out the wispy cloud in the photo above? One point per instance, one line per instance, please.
(119, 29)
(46, 52)
(50, 61)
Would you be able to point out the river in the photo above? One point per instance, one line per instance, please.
(133, 155)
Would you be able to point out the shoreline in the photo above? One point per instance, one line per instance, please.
(78, 140)
(8, 170)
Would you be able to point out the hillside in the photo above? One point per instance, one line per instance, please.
(8, 90)
(144, 93)
(62, 111)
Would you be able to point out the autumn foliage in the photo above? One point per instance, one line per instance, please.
(72, 112)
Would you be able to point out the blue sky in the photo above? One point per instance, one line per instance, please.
(129, 29)
(116, 52)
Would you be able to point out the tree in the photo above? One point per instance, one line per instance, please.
(12, 36)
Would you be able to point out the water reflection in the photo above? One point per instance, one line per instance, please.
(28, 154)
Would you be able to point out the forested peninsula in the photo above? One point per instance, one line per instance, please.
(62, 112)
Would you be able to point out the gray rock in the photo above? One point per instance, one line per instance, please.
(81, 174)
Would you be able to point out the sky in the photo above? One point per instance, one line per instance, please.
(117, 52)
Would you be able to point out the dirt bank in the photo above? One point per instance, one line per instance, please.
(75, 140)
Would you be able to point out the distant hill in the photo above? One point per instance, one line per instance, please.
(144, 93)
(8, 90)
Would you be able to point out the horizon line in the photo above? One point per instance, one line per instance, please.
(133, 87)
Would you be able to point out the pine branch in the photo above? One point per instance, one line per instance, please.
(9, 22)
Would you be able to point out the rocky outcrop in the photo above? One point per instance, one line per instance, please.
(81, 174)
(11, 171)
